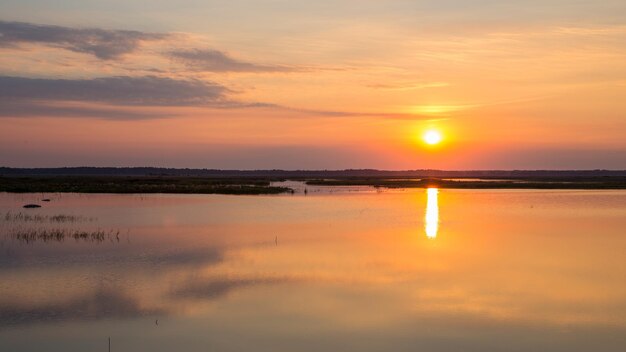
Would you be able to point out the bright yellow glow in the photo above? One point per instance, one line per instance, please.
(432, 137)
(438, 109)
(431, 109)
(431, 220)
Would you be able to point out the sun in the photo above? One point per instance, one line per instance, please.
(432, 137)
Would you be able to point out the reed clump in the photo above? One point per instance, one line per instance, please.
(60, 235)
(60, 218)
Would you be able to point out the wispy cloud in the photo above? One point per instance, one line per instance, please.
(120, 98)
(66, 110)
(102, 43)
(413, 86)
(122, 90)
(217, 61)
(109, 44)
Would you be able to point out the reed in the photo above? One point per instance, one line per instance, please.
(60, 218)
(60, 235)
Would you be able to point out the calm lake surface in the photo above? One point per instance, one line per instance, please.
(342, 269)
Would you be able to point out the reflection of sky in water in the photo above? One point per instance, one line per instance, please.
(347, 273)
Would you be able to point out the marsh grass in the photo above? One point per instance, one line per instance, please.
(31, 228)
(146, 184)
(60, 235)
(60, 218)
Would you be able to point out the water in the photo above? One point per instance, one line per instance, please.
(402, 270)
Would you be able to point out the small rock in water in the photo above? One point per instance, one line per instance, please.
(32, 206)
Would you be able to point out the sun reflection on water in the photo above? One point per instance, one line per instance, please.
(431, 219)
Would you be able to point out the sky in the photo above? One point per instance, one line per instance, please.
(290, 84)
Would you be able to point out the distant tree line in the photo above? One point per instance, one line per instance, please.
(295, 174)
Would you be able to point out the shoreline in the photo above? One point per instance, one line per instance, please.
(264, 186)
(486, 183)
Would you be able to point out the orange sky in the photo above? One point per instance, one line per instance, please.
(300, 85)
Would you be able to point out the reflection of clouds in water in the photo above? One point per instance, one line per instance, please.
(199, 256)
(18, 258)
(217, 287)
(160, 263)
(115, 304)
(226, 277)
(101, 304)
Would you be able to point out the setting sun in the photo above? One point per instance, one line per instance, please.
(432, 137)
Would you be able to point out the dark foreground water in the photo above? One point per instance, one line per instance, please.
(349, 270)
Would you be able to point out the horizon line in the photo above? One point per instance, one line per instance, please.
(303, 170)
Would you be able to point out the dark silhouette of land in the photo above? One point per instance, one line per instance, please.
(207, 181)
(483, 183)
(137, 184)
(299, 174)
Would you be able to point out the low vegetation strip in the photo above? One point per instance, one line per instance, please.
(118, 184)
(532, 183)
